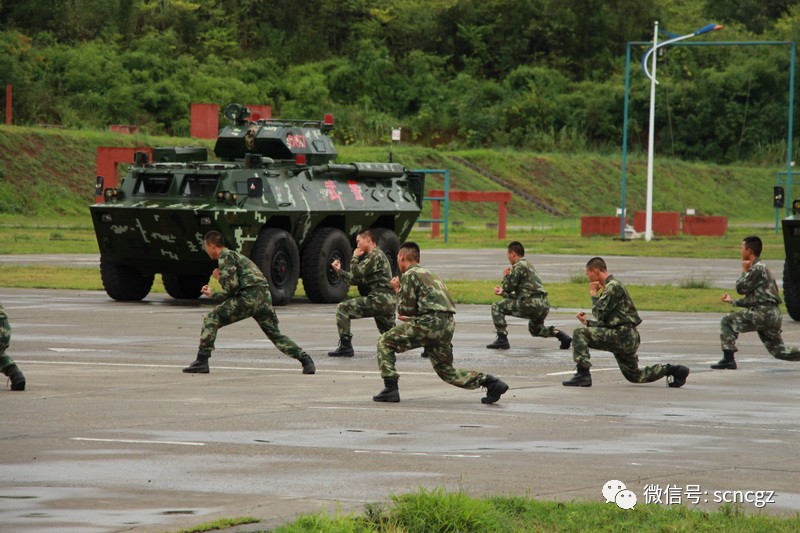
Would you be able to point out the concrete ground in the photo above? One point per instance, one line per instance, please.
(111, 436)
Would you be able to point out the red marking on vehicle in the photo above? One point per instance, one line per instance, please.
(296, 141)
(333, 194)
(355, 188)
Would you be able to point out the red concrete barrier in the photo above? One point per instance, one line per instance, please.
(501, 198)
(704, 225)
(664, 222)
(204, 121)
(108, 158)
(600, 226)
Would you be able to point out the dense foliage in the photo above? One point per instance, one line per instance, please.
(538, 74)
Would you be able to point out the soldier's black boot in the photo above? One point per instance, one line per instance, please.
(727, 362)
(390, 392)
(500, 343)
(15, 376)
(345, 348)
(582, 378)
(566, 340)
(424, 353)
(494, 389)
(199, 365)
(678, 373)
(308, 364)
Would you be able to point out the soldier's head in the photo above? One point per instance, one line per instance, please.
(596, 269)
(214, 244)
(365, 240)
(407, 256)
(515, 252)
(751, 246)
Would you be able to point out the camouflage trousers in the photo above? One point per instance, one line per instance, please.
(623, 343)
(251, 303)
(434, 331)
(535, 310)
(5, 339)
(380, 305)
(766, 321)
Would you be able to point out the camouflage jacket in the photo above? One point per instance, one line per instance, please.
(523, 282)
(758, 287)
(236, 273)
(423, 292)
(2, 312)
(613, 307)
(372, 269)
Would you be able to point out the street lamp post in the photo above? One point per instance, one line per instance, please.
(648, 233)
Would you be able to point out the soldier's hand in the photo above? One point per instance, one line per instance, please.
(215, 274)
(402, 318)
(506, 271)
(337, 265)
(581, 317)
(498, 291)
(358, 252)
(206, 290)
(746, 264)
(594, 287)
(727, 298)
(395, 283)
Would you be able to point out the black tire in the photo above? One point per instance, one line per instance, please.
(387, 241)
(275, 253)
(791, 294)
(321, 282)
(184, 286)
(124, 283)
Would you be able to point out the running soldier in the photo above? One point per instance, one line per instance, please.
(426, 311)
(7, 365)
(370, 268)
(246, 294)
(761, 312)
(523, 297)
(613, 329)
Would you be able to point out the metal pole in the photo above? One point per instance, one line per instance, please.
(648, 230)
(790, 132)
(625, 141)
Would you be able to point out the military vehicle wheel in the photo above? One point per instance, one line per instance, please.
(387, 241)
(321, 282)
(124, 283)
(184, 286)
(275, 253)
(791, 294)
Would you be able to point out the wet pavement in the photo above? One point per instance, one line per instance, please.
(111, 436)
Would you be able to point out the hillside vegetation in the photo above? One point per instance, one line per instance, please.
(47, 172)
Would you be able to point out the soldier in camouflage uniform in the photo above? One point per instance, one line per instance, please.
(7, 365)
(613, 329)
(426, 311)
(761, 312)
(523, 297)
(369, 268)
(246, 294)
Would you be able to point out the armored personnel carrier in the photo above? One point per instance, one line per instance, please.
(274, 194)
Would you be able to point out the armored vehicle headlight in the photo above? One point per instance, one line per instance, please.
(105, 217)
(205, 221)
